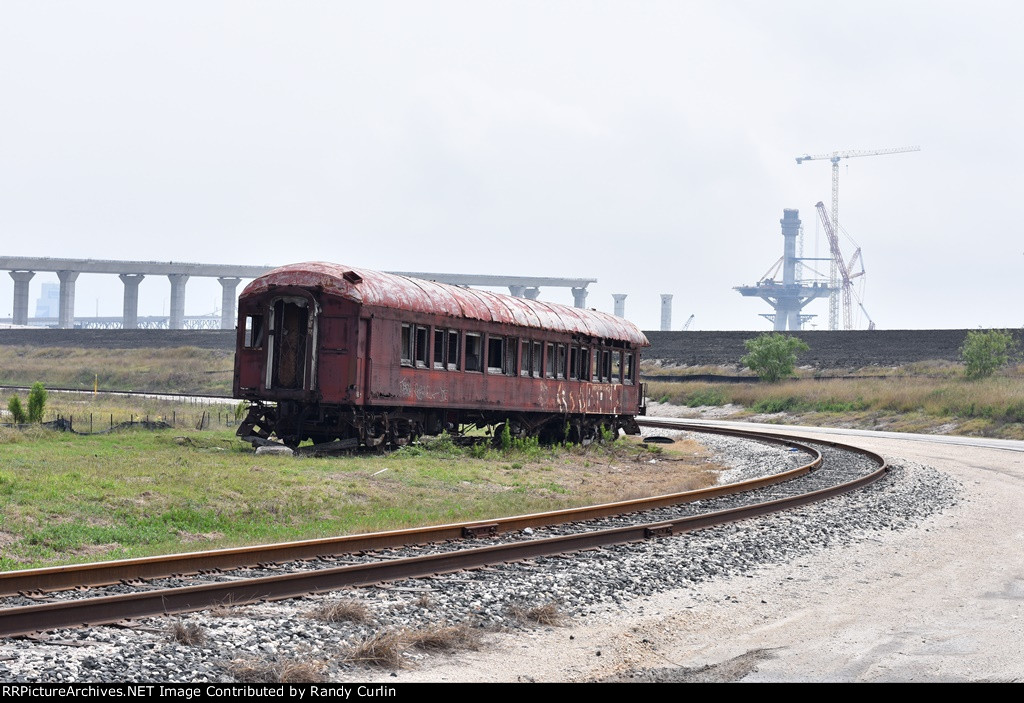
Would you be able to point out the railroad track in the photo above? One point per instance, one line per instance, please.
(830, 469)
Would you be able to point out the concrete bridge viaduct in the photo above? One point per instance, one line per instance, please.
(131, 273)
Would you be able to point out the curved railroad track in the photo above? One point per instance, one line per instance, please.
(832, 469)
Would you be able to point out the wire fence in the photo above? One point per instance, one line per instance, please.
(102, 423)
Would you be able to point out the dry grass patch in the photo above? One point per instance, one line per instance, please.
(387, 649)
(445, 638)
(342, 611)
(189, 633)
(546, 614)
(228, 608)
(275, 671)
(384, 649)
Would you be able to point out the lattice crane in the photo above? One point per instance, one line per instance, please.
(845, 269)
(835, 157)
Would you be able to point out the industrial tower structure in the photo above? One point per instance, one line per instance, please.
(791, 295)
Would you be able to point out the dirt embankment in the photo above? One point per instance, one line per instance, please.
(828, 349)
(852, 349)
(119, 339)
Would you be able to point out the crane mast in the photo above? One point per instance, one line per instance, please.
(835, 157)
(845, 269)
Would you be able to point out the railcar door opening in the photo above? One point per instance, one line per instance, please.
(292, 337)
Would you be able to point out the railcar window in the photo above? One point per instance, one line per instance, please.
(440, 337)
(549, 361)
(560, 369)
(511, 356)
(254, 331)
(537, 347)
(406, 345)
(616, 366)
(585, 364)
(495, 354)
(422, 353)
(525, 364)
(473, 350)
(628, 377)
(453, 349)
(574, 362)
(606, 366)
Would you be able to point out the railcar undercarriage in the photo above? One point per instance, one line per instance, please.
(293, 423)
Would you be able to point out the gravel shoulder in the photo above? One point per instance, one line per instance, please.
(940, 601)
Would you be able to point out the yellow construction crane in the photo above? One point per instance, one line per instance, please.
(835, 157)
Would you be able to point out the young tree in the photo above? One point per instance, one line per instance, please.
(36, 402)
(984, 351)
(773, 356)
(17, 412)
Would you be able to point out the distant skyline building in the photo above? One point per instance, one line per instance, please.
(48, 302)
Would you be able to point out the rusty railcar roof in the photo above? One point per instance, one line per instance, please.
(390, 290)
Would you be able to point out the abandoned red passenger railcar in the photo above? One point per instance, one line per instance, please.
(327, 352)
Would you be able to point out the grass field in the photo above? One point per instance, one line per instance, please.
(182, 370)
(68, 498)
(926, 397)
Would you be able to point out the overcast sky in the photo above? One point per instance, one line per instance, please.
(649, 145)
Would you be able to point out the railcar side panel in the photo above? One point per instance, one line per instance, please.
(335, 352)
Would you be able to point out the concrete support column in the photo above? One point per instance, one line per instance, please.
(178, 281)
(228, 299)
(21, 279)
(794, 319)
(130, 317)
(532, 293)
(620, 304)
(66, 316)
(517, 291)
(666, 312)
(579, 297)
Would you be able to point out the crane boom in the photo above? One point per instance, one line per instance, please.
(835, 157)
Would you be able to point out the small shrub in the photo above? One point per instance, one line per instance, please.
(442, 444)
(36, 402)
(529, 447)
(773, 356)
(1014, 412)
(708, 396)
(983, 352)
(17, 412)
(506, 437)
(776, 405)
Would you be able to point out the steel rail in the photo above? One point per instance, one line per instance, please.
(112, 572)
(111, 609)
